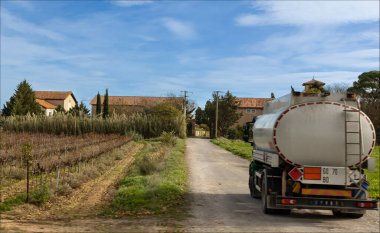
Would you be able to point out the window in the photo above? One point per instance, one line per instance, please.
(250, 110)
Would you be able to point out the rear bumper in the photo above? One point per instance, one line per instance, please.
(320, 203)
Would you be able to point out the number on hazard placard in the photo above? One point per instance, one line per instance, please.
(325, 170)
(325, 179)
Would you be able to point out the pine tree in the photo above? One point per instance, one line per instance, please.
(98, 105)
(60, 108)
(105, 105)
(79, 110)
(22, 102)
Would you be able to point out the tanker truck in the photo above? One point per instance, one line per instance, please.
(310, 152)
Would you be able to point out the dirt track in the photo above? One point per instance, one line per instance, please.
(221, 200)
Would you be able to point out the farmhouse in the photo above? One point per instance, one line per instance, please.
(50, 100)
(250, 107)
(129, 104)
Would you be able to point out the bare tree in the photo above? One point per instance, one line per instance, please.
(337, 88)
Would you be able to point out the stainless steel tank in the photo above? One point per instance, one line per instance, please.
(310, 130)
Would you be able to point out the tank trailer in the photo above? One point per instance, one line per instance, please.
(310, 152)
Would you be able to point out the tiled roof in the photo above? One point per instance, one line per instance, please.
(137, 100)
(252, 102)
(313, 81)
(45, 105)
(53, 95)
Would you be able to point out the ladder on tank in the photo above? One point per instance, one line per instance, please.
(353, 139)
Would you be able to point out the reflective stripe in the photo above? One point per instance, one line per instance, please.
(327, 192)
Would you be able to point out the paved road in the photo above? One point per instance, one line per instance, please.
(221, 200)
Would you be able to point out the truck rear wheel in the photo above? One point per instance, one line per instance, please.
(264, 199)
(252, 189)
(338, 213)
(264, 195)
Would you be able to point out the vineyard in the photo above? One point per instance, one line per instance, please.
(57, 164)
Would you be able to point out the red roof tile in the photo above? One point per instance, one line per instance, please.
(53, 95)
(45, 104)
(313, 81)
(137, 100)
(252, 102)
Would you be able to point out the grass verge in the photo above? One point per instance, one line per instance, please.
(237, 147)
(156, 183)
(374, 176)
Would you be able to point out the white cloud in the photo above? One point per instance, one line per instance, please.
(311, 13)
(12, 22)
(180, 29)
(130, 3)
(361, 59)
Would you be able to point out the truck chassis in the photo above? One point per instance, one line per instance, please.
(269, 180)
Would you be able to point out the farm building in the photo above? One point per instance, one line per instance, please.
(250, 107)
(129, 104)
(50, 100)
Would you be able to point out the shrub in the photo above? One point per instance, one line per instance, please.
(64, 189)
(146, 165)
(168, 138)
(40, 196)
(235, 133)
(17, 173)
(74, 182)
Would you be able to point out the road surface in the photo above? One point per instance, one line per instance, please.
(221, 202)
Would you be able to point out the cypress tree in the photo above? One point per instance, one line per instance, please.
(105, 105)
(98, 105)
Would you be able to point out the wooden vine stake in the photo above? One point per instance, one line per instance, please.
(26, 150)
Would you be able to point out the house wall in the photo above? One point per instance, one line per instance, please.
(69, 103)
(49, 112)
(55, 102)
(247, 115)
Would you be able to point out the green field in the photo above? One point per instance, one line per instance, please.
(244, 150)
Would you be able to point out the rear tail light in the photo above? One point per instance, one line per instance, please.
(288, 201)
(365, 204)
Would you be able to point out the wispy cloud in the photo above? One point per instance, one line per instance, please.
(130, 3)
(9, 21)
(181, 29)
(311, 13)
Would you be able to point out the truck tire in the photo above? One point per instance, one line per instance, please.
(354, 215)
(264, 195)
(252, 189)
(264, 201)
(340, 214)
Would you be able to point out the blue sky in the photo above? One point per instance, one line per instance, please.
(251, 48)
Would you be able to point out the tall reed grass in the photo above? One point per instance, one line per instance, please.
(148, 126)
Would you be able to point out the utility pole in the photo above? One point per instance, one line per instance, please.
(184, 103)
(184, 109)
(216, 113)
